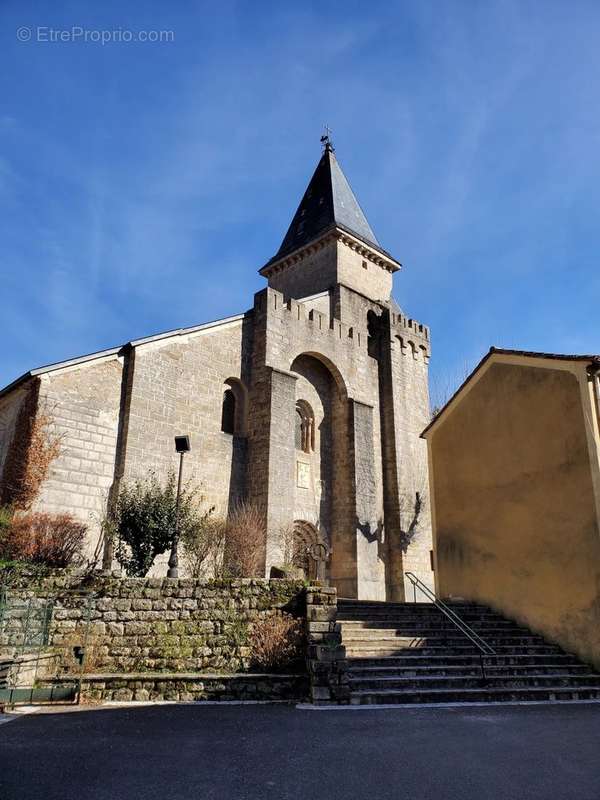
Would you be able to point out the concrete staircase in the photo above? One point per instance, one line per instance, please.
(410, 653)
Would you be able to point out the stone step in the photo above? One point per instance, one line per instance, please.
(425, 619)
(427, 622)
(347, 602)
(470, 619)
(414, 660)
(383, 649)
(451, 639)
(496, 630)
(420, 622)
(411, 610)
(426, 682)
(374, 607)
(479, 695)
(353, 631)
(407, 653)
(471, 670)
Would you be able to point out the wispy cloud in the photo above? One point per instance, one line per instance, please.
(143, 187)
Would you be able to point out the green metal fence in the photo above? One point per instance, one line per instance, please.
(28, 663)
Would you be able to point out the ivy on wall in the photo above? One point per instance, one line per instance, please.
(33, 449)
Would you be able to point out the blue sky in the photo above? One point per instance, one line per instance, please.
(143, 184)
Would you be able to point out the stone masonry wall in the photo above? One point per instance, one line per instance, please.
(333, 259)
(10, 405)
(315, 272)
(410, 350)
(177, 388)
(84, 405)
(385, 456)
(182, 687)
(292, 329)
(313, 495)
(359, 272)
(159, 625)
(327, 665)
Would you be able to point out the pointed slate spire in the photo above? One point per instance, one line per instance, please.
(328, 201)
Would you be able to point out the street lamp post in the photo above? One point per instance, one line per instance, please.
(182, 446)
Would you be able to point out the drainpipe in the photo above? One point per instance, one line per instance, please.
(595, 373)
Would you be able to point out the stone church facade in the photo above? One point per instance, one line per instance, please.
(310, 405)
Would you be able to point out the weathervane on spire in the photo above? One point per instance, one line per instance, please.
(326, 140)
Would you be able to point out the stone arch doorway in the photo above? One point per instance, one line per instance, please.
(323, 489)
(314, 441)
(310, 550)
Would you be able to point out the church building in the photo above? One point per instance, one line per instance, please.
(309, 405)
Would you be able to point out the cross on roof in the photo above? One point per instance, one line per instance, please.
(326, 140)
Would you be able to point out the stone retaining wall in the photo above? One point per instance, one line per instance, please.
(326, 655)
(192, 687)
(159, 624)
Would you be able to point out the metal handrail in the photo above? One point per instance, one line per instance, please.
(484, 648)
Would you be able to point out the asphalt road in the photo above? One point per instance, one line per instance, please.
(250, 752)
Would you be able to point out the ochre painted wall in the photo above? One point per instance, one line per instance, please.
(515, 513)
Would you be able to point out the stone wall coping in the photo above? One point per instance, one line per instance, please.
(98, 584)
(156, 583)
(177, 676)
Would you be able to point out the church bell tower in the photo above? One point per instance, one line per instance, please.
(330, 243)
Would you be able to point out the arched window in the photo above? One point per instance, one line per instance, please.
(234, 407)
(374, 334)
(304, 428)
(228, 412)
(298, 432)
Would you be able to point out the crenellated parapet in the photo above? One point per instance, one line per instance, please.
(316, 322)
(412, 336)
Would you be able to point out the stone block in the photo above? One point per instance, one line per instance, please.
(97, 628)
(133, 628)
(323, 627)
(115, 629)
(141, 605)
(321, 613)
(331, 654)
(122, 695)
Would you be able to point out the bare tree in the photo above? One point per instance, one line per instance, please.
(445, 385)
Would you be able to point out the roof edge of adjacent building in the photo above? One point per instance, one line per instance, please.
(500, 351)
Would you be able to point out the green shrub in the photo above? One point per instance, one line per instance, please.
(6, 516)
(143, 520)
